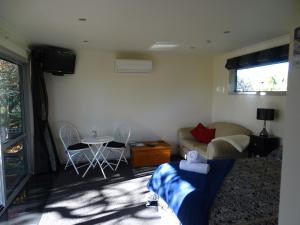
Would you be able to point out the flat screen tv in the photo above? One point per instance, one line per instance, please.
(58, 61)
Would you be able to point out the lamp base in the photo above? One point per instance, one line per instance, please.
(264, 133)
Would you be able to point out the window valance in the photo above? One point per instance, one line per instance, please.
(269, 56)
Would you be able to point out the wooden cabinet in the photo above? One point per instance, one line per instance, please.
(151, 154)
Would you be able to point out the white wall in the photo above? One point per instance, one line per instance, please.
(177, 93)
(241, 109)
(289, 211)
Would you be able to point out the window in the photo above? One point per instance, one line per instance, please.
(267, 78)
(13, 132)
(264, 72)
(10, 101)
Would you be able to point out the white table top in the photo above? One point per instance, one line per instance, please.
(97, 140)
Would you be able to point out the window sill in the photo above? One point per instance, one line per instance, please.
(260, 93)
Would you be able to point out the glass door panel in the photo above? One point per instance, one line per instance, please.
(12, 135)
(11, 121)
(14, 166)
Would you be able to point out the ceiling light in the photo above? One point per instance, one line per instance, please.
(163, 46)
(82, 19)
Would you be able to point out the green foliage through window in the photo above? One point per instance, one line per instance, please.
(10, 99)
(268, 78)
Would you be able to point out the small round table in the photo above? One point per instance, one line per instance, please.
(97, 146)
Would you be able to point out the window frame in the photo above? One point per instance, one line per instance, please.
(25, 137)
(232, 86)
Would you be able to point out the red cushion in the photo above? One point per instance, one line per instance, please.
(203, 134)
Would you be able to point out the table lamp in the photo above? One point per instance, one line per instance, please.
(265, 114)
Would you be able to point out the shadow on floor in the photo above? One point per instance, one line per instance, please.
(66, 197)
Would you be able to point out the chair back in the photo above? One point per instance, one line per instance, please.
(122, 134)
(69, 135)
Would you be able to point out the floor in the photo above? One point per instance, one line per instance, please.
(41, 191)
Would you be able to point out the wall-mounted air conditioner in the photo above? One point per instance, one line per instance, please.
(133, 66)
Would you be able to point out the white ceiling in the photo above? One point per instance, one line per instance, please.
(134, 25)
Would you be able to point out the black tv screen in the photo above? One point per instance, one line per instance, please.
(58, 61)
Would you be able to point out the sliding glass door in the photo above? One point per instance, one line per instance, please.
(13, 134)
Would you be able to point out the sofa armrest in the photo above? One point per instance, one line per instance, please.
(223, 150)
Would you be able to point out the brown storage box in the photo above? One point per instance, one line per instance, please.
(151, 154)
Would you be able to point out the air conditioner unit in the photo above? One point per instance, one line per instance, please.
(133, 66)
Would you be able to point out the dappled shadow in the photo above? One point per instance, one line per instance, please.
(132, 211)
(66, 196)
(95, 200)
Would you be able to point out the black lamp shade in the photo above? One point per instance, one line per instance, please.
(265, 114)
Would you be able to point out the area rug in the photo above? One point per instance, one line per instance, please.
(119, 202)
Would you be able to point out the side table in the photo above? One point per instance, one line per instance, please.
(150, 154)
(97, 146)
(262, 146)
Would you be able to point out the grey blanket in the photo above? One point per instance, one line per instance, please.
(249, 194)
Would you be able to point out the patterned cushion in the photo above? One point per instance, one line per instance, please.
(78, 146)
(114, 144)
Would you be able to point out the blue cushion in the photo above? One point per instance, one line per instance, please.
(77, 146)
(114, 144)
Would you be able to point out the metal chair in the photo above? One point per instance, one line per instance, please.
(120, 144)
(74, 149)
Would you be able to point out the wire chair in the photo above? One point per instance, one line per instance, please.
(119, 145)
(74, 149)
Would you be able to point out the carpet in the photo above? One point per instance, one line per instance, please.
(115, 201)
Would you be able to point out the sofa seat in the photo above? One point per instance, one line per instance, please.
(213, 150)
(193, 144)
